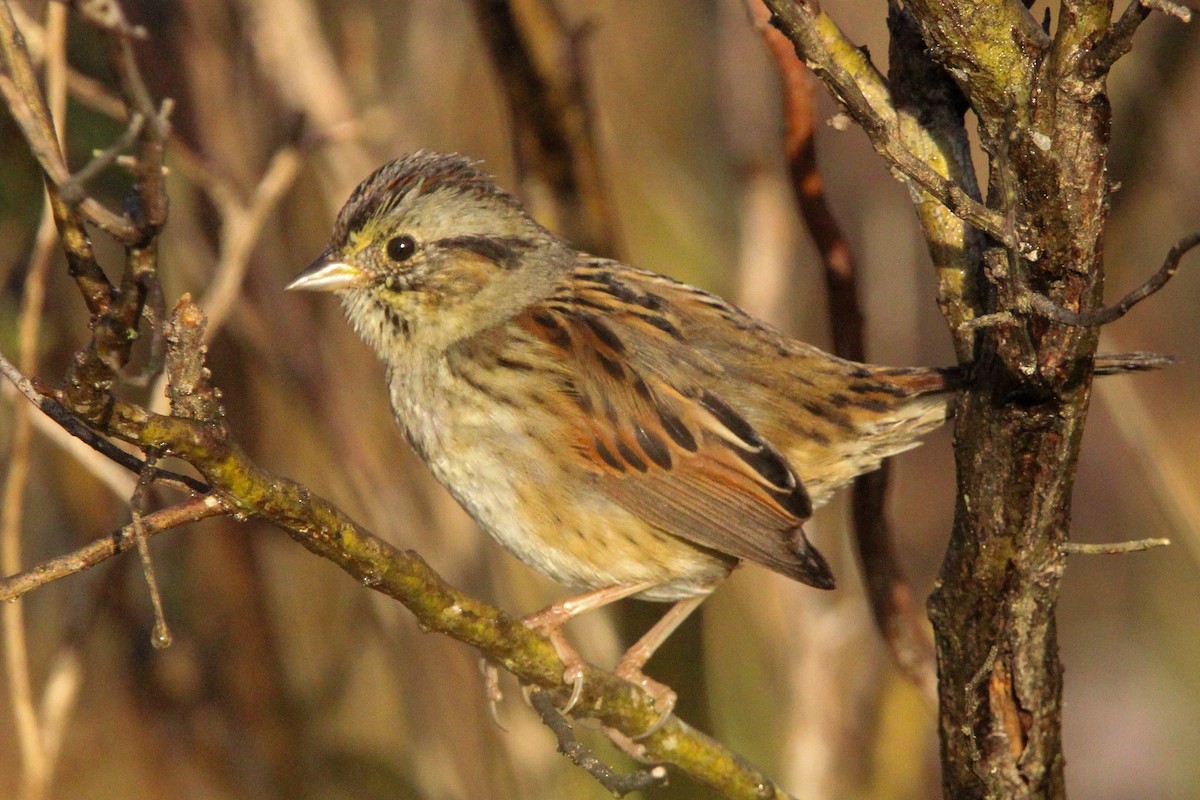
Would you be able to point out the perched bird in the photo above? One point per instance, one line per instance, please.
(621, 432)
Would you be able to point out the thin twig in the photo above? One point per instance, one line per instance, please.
(896, 614)
(1118, 41)
(73, 189)
(53, 408)
(1177, 10)
(162, 633)
(119, 541)
(616, 783)
(1102, 316)
(1112, 548)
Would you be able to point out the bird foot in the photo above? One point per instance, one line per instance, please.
(664, 696)
(549, 622)
(491, 690)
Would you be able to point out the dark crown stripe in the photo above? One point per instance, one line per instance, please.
(421, 171)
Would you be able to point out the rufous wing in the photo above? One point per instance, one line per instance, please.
(671, 450)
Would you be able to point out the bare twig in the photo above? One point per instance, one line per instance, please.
(73, 188)
(1112, 548)
(189, 388)
(1102, 316)
(1118, 40)
(119, 541)
(619, 785)
(896, 614)
(137, 504)
(55, 410)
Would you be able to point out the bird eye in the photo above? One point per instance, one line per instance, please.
(401, 248)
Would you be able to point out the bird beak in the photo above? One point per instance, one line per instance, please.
(326, 275)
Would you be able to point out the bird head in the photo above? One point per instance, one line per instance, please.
(428, 250)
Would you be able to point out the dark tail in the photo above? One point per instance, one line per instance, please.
(1120, 363)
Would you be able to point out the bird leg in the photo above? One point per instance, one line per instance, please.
(549, 622)
(630, 665)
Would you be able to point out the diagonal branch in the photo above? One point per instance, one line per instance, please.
(119, 541)
(863, 92)
(1102, 316)
(244, 489)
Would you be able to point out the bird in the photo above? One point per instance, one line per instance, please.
(622, 432)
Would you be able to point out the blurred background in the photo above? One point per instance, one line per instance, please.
(289, 679)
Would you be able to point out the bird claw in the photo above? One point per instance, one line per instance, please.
(664, 697)
(491, 690)
(549, 623)
(573, 674)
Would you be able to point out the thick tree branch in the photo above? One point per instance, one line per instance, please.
(931, 111)
(991, 48)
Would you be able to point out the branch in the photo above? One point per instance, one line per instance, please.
(862, 91)
(1118, 40)
(1102, 316)
(896, 615)
(991, 47)
(1114, 548)
(63, 416)
(119, 541)
(932, 109)
(72, 189)
(619, 785)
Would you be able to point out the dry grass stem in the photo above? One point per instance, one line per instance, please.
(36, 761)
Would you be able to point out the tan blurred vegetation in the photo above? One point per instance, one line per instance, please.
(267, 693)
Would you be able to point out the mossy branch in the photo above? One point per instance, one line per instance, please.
(197, 432)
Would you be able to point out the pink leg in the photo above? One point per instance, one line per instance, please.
(549, 622)
(630, 665)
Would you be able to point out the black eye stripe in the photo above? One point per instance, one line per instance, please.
(503, 251)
